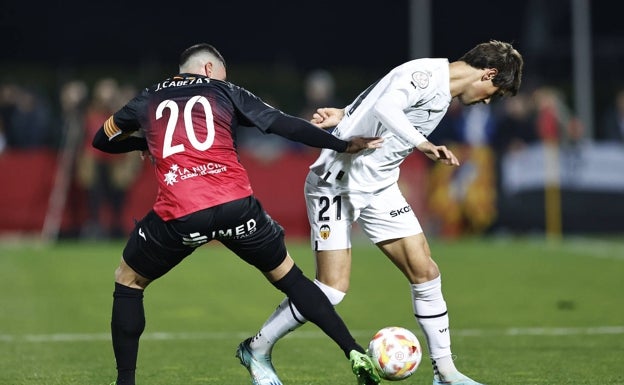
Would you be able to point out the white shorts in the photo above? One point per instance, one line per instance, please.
(382, 215)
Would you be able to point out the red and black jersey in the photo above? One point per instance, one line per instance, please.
(189, 123)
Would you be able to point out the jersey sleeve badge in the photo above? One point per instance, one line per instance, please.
(420, 79)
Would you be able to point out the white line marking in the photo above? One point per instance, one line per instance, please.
(595, 248)
(82, 337)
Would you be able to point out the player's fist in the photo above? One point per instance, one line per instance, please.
(327, 117)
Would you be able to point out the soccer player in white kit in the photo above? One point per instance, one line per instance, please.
(403, 107)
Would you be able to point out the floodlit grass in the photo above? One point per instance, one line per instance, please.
(523, 311)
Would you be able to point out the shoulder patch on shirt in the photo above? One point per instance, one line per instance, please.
(420, 79)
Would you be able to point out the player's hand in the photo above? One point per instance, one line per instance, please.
(438, 153)
(360, 143)
(146, 154)
(327, 117)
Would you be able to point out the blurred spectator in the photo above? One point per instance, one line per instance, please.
(561, 130)
(474, 126)
(71, 100)
(516, 130)
(463, 199)
(553, 115)
(3, 142)
(477, 125)
(516, 127)
(319, 91)
(73, 96)
(575, 132)
(6, 109)
(446, 131)
(613, 120)
(105, 177)
(27, 117)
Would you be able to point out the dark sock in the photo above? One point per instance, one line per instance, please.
(314, 306)
(127, 325)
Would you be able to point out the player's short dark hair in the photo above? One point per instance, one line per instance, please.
(502, 56)
(201, 47)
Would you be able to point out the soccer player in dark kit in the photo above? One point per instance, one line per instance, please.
(188, 126)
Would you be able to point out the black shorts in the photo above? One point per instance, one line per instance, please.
(156, 246)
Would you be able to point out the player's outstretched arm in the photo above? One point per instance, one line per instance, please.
(302, 131)
(360, 143)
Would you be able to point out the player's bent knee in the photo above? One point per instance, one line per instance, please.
(126, 276)
(335, 296)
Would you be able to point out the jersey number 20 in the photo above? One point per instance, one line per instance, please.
(168, 147)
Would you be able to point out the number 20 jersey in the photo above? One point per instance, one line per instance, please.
(190, 124)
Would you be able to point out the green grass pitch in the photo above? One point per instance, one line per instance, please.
(523, 311)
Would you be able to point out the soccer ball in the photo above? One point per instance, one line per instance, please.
(395, 352)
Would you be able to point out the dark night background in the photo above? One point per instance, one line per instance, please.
(359, 40)
(338, 32)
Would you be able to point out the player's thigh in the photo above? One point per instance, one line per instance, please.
(333, 268)
(154, 247)
(388, 215)
(412, 256)
(281, 270)
(259, 239)
(390, 223)
(331, 212)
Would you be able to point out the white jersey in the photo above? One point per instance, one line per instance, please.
(403, 107)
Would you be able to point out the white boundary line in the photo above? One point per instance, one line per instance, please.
(596, 248)
(87, 337)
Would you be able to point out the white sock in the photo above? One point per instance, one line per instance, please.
(287, 318)
(284, 319)
(432, 316)
(335, 296)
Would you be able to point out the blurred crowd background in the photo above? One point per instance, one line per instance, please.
(548, 161)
